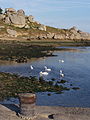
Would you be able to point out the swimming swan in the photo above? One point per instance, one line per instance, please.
(43, 73)
(61, 61)
(47, 69)
(31, 67)
(61, 73)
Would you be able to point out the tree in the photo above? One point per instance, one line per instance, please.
(1, 10)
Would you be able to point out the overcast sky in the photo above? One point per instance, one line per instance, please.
(57, 13)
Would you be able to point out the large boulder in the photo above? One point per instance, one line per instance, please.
(42, 27)
(17, 20)
(12, 33)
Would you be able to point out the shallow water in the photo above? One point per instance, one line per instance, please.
(77, 72)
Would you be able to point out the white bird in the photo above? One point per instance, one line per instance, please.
(61, 61)
(61, 73)
(31, 67)
(43, 73)
(47, 69)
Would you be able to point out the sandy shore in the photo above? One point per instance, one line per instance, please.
(9, 112)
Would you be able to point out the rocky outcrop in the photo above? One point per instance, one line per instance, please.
(18, 19)
(78, 34)
(14, 18)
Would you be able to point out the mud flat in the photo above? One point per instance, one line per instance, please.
(47, 113)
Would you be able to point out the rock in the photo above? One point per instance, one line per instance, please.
(42, 36)
(2, 27)
(73, 30)
(12, 10)
(21, 60)
(7, 20)
(12, 33)
(37, 22)
(77, 36)
(72, 36)
(21, 12)
(31, 18)
(67, 36)
(2, 16)
(17, 20)
(33, 37)
(42, 27)
(59, 36)
(50, 35)
(85, 35)
(27, 26)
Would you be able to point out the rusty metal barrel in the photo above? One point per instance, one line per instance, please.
(27, 104)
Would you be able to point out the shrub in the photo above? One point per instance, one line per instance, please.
(1, 10)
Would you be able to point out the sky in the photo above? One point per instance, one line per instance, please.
(57, 13)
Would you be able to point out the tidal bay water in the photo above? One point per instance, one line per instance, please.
(76, 68)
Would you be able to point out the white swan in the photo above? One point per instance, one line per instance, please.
(31, 67)
(61, 73)
(47, 69)
(61, 61)
(43, 73)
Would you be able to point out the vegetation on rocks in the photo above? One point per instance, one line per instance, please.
(22, 51)
(11, 85)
